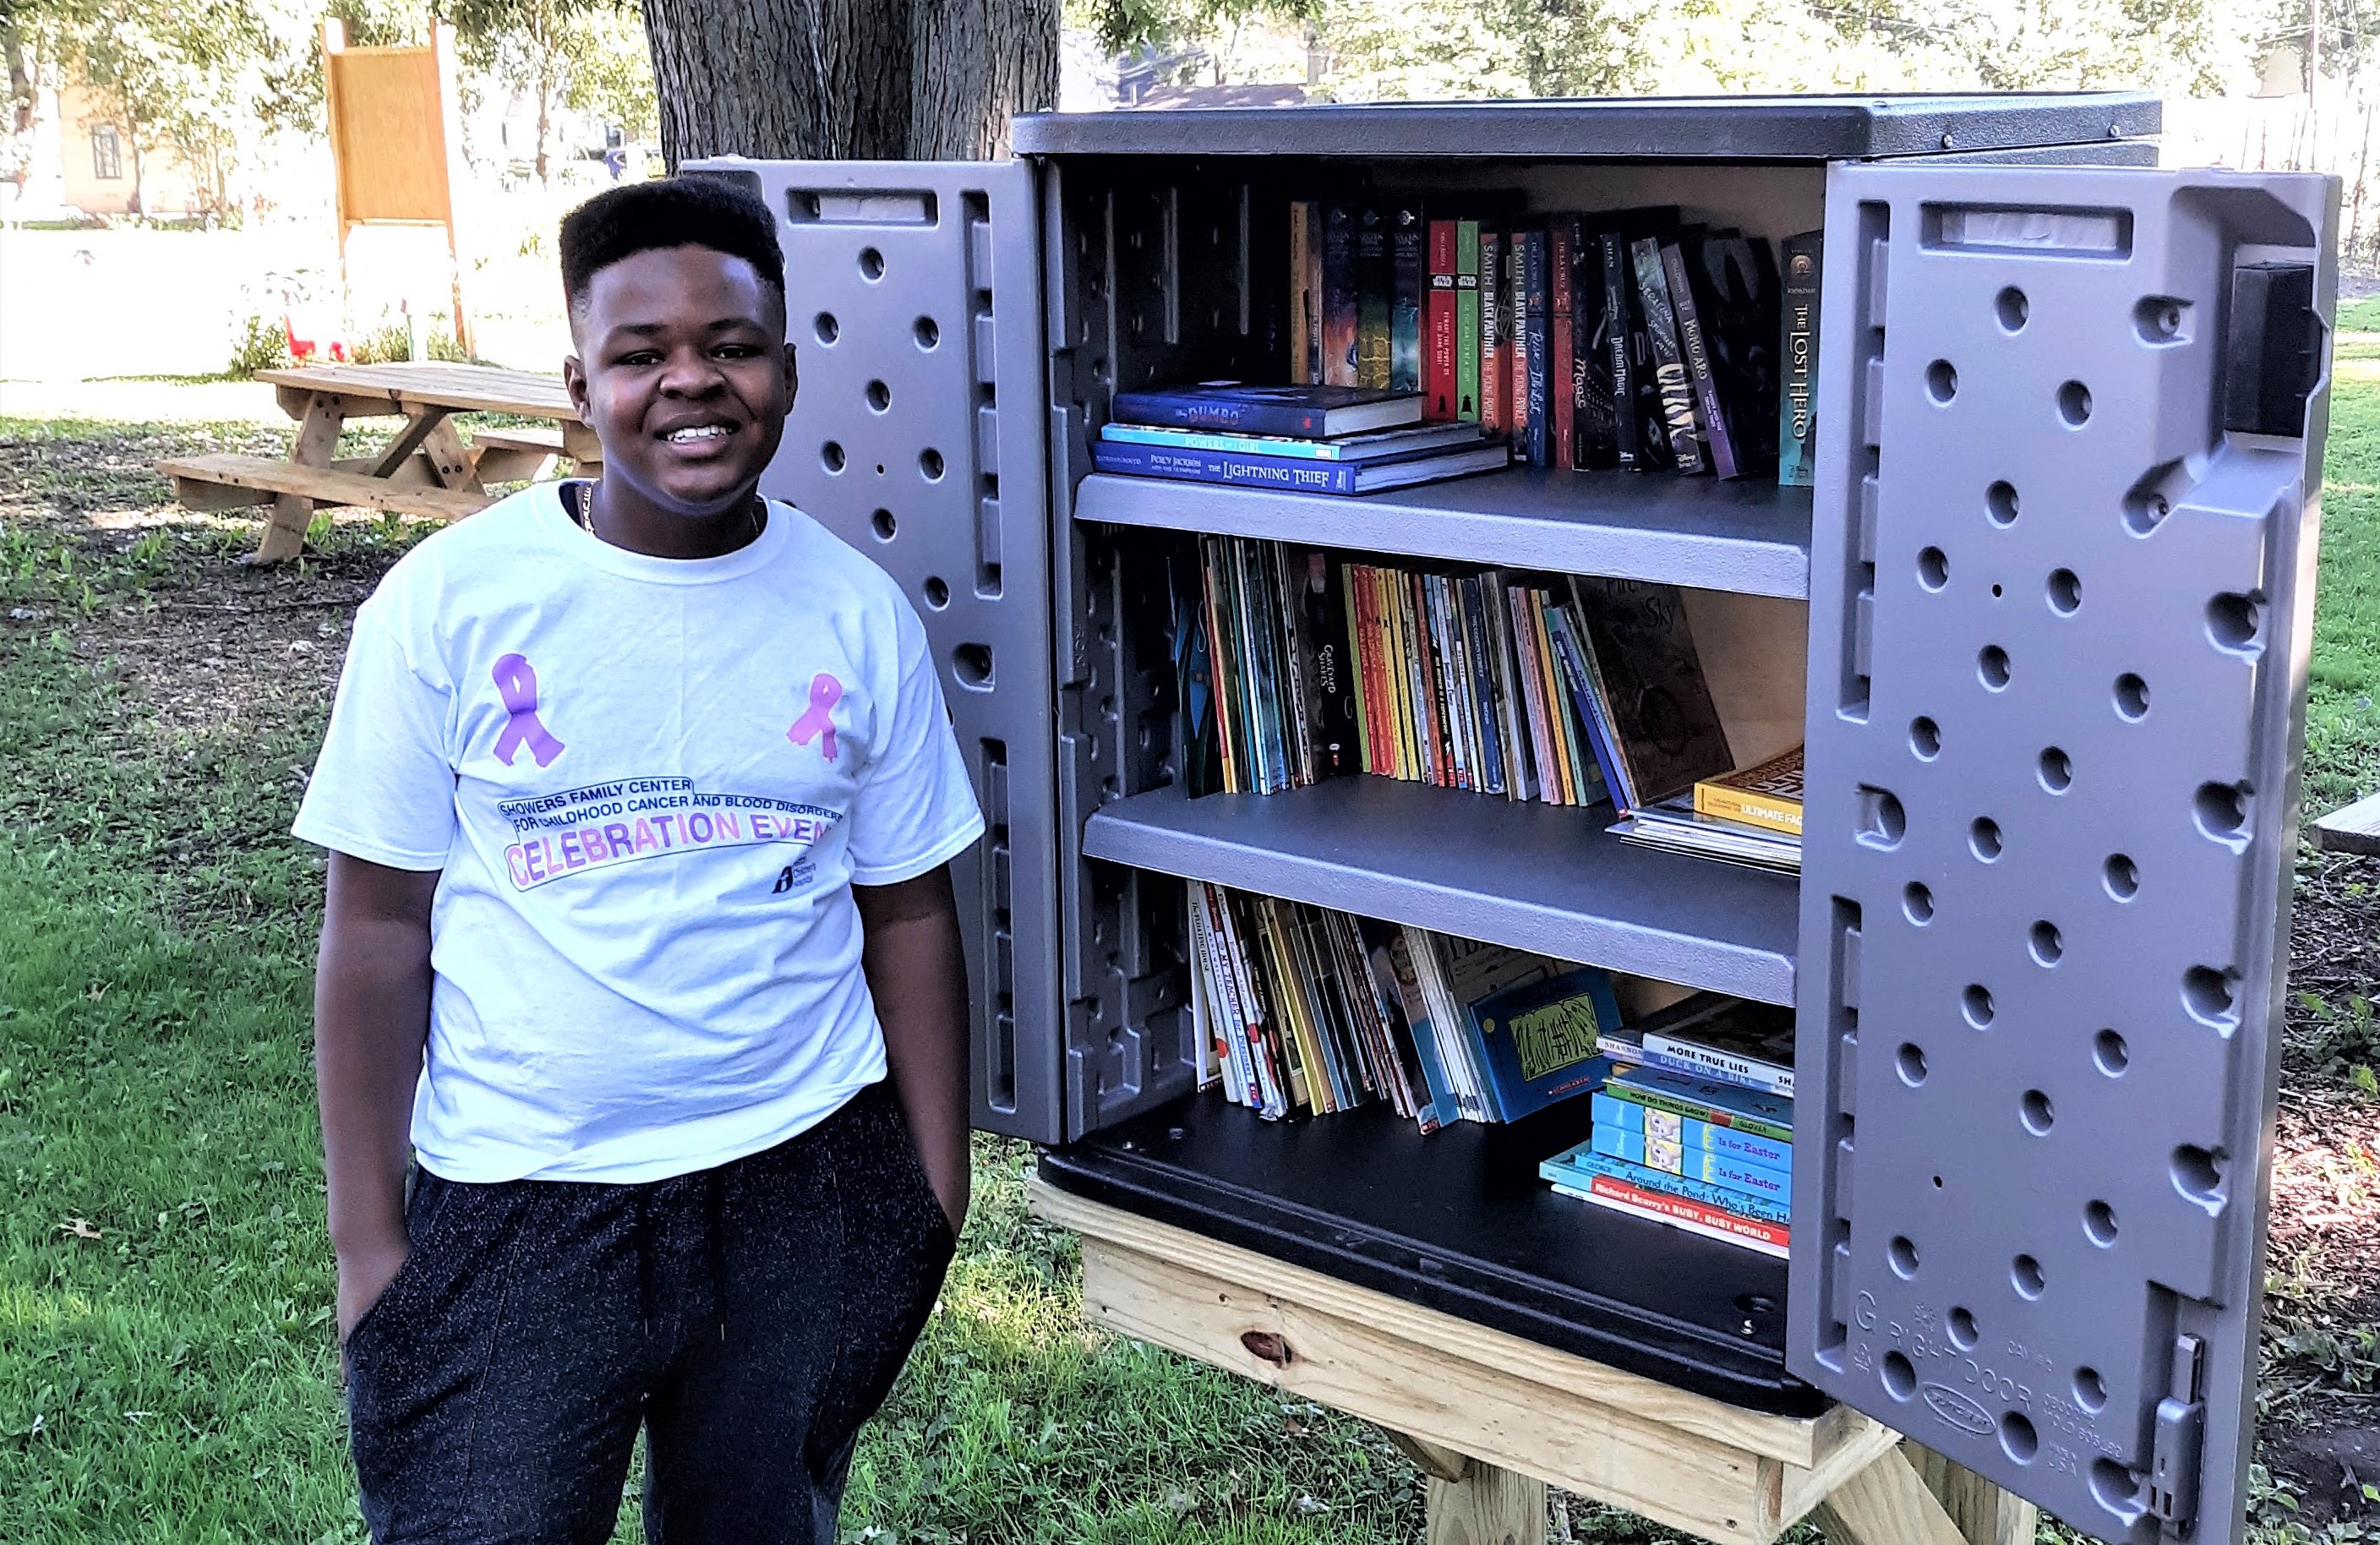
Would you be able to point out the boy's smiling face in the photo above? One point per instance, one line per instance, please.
(684, 373)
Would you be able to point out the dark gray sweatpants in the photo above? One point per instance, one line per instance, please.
(750, 1318)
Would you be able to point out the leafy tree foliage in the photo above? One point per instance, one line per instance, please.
(587, 56)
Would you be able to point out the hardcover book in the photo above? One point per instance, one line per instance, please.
(1407, 237)
(1467, 299)
(1678, 1213)
(1305, 412)
(1797, 423)
(1294, 474)
(1537, 1041)
(1440, 379)
(1370, 446)
(1339, 322)
(1677, 396)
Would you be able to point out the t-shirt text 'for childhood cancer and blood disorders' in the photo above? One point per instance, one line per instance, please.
(619, 823)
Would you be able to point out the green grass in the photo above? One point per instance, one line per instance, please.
(173, 1378)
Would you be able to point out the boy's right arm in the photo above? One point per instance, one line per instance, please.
(371, 1019)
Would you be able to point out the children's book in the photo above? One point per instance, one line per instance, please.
(1407, 269)
(1375, 297)
(1686, 1132)
(1304, 304)
(1690, 1217)
(1561, 389)
(1340, 322)
(1535, 322)
(1707, 1099)
(1665, 728)
(1702, 371)
(1677, 396)
(1797, 423)
(1439, 326)
(1768, 796)
(1722, 1170)
(1307, 412)
(1467, 299)
(1713, 1036)
(1370, 446)
(1567, 1167)
(1537, 1041)
(1494, 371)
(1295, 474)
(1735, 290)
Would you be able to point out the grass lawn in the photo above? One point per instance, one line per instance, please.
(166, 1363)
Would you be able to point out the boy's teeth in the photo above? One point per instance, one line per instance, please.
(708, 432)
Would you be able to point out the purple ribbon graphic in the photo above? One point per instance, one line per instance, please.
(517, 684)
(825, 692)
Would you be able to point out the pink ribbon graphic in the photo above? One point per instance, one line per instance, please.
(517, 684)
(825, 692)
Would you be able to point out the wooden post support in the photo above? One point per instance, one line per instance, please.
(1981, 1512)
(1488, 1506)
(317, 442)
(1913, 1496)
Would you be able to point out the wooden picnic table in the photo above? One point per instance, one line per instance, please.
(427, 469)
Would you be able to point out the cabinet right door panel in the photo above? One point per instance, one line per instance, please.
(2061, 599)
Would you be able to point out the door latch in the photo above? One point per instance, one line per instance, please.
(2180, 1441)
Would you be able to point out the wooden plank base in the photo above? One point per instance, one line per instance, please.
(2355, 829)
(1488, 1506)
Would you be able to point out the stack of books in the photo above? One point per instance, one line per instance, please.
(1299, 439)
(1706, 1155)
(1303, 1009)
(1634, 339)
(1750, 817)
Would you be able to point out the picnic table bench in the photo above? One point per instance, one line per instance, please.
(427, 469)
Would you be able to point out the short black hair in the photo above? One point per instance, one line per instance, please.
(672, 211)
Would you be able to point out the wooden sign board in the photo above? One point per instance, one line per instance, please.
(393, 139)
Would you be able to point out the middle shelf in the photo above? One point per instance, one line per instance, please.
(1749, 536)
(1534, 876)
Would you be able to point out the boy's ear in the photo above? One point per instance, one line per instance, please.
(574, 380)
(793, 375)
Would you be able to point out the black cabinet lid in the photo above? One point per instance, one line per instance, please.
(1721, 128)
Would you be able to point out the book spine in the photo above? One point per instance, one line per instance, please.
(1710, 1222)
(1222, 665)
(1511, 710)
(1339, 320)
(1313, 351)
(1300, 671)
(1454, 671)
(1591, 437)
(1290, 474)
(1560, 387)
(1613, 252)
(1494, 373)
(1467, 300)
(1420, 668)
(1222, 999)
(1655, 1100)
(1559, 749)
(1797, 411)
(1758, 1207)
(1725, 1171)
(1748, 808)
(1375, 297)
(1570, 648)
(1535, 322)
(1407, 235)
(1183, 410)
(1478, 634)
(1388, 662)
(1325, 611)
(1301, 299)
(1516, 337)
(1708, 1061)
(1677, 396)
(1351, 597)
(1692, 342)
(1441, 381)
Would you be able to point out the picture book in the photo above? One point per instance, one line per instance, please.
(1309, 412)
(1693, 1135)
(1690, 1217)
(1768, 796)
(1539, 1039)
(1567, 1167)
(1709, 1099)
(1665, 728)
(1797, 423)
(1724, 1170)
(1710, 1035)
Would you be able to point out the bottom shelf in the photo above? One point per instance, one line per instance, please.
(1457, 1221)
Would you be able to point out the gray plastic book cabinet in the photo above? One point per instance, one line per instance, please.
(2059, 573)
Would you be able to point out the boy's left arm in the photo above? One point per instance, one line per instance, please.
(916, 972)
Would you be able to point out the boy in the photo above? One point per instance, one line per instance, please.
(640, 796)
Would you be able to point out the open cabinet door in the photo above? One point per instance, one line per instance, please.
(914, 305)
(2061, 598)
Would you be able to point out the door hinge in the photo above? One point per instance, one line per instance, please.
(2180, 1443)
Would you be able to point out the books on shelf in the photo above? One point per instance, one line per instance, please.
(1706, 1156)
(1767, 796)
(1370, 446)
(1752, 816)
(1797, 426)
(1303, 1009)
(1709, 1035)
(1298, 474)
(1304, 411)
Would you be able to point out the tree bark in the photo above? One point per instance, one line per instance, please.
(848, 80)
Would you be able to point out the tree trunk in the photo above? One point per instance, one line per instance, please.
(545, 118)
(20, 81)
(848, 80)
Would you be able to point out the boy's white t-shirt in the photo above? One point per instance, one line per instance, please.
(649, 784)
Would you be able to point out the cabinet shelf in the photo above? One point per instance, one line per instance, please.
(1752, 537)
(1530, 875)
(1457, 1221)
